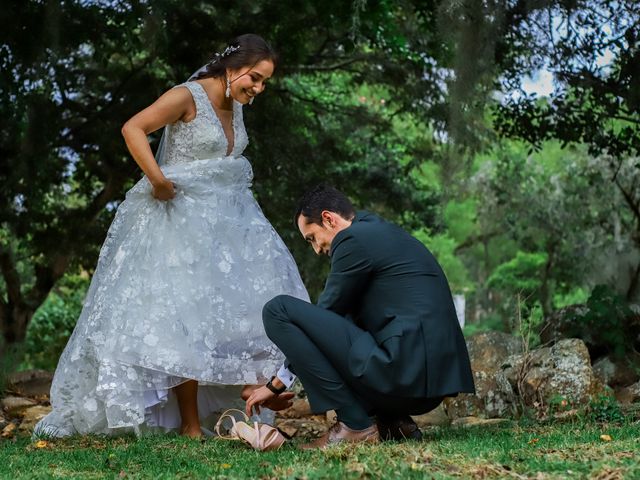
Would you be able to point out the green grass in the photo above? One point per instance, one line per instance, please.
(570, 450)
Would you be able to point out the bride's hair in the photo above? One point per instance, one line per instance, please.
(243, 51)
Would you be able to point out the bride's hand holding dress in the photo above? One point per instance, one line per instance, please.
(175, 105)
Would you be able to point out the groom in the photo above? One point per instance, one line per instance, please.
(383, 339)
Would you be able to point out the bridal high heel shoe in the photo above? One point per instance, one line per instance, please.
(261, 437)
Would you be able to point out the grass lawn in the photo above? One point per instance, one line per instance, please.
(568, 450)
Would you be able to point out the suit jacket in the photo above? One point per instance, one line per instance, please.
(392, 287)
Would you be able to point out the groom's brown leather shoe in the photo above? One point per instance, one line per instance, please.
(400, 428)
(340, 433)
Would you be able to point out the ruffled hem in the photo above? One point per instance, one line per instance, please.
(162, 414)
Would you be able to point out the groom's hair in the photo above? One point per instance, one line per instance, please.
(323, 197)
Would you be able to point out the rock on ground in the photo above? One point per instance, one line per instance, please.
(629, 395)
(436, 417)
(494, 395)
(15, 406)
(31, 383)
(548, 374)
(615, 373)
(32, 416)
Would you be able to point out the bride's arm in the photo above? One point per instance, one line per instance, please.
(176, 104)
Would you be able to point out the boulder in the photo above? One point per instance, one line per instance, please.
(299, 409)
(494, 395)
(615, 373)
(32, 416)
(551, 374)
(566, 322)
(629, 395)
(436, 417)
(30, 383)
(488, 350)
(15, 406)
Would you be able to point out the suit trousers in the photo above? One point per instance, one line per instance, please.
(316, 342)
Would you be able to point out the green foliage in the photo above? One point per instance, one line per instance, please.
(529, 323)
(557, 203)
(520, 275)
(605, 323)
(604, 408)
(443, 248)
(572, 297)
(606, 320)
(363, 97)
(488, 323)
(73, 72)
(595, 65)
(54, 322)
(559, 404)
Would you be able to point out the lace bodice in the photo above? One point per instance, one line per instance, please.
(203, 137)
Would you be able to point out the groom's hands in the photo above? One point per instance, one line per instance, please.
(262, 396)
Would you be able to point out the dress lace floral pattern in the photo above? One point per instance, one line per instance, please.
(179, 288)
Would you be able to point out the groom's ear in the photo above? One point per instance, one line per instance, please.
(327, 219)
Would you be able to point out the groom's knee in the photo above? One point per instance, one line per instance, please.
(274, 311)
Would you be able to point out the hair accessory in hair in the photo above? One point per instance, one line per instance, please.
(227, 51)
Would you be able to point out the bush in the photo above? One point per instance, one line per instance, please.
(54, 322)
(607, 318)
(522, 275)
(489, 323)
(606, 324)
(604, 409)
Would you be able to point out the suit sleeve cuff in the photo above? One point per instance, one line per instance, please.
(285, 376)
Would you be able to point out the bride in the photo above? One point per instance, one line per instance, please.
(171, 328)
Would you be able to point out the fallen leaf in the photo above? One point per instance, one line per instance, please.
(42, 444)
(533, 441)
(605, 438)
(226, 465)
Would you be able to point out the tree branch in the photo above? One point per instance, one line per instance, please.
(99, 111)
(471, 241)
(635, 208)
(335, 66)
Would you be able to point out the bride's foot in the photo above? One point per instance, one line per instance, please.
(191, 431)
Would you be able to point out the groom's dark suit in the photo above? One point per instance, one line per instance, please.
(384, 332)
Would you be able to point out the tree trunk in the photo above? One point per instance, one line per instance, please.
(545, 295)
(15, 320)
(632, 291)
(17, 311)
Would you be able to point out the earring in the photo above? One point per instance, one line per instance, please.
(251, 100)
(227, 92)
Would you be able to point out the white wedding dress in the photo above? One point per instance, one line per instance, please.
(177, 293)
